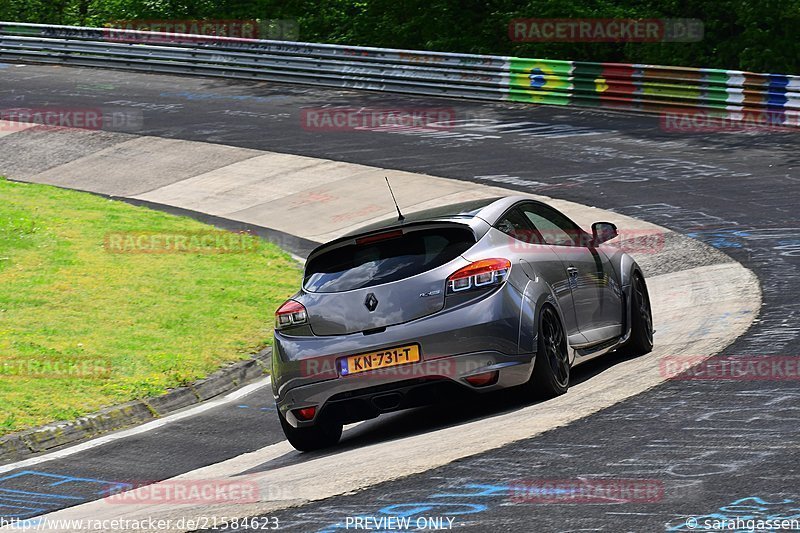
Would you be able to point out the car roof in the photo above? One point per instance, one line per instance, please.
(488, 209)
(475, 213)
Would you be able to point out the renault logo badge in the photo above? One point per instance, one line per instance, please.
(371, 302)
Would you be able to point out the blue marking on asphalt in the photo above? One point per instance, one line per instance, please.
(27, 511)
(728, 238)
(23, 504)
(67, 479)
(259, 408)
(46, 495)
(17, 500)
(4, 65)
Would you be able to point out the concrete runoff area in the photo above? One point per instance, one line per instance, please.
(316, 199)
(702, 301)
(130, 168)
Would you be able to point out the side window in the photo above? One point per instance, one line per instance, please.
(555, 228)
(516, 225)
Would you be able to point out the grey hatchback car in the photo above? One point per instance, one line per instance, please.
(476, 296)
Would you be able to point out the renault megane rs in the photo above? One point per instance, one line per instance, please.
(478, 296)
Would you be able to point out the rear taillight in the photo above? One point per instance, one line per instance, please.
(291, 313)
(479, 275)
(305, 414)
(483, 380)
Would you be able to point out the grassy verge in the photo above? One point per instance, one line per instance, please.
(88, 320)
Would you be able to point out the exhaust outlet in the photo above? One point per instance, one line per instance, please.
(388, 402)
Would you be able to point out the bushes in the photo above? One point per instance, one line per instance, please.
(749, 35)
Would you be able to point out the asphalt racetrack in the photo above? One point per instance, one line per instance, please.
(724, 448)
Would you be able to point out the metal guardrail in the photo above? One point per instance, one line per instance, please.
(727, 94)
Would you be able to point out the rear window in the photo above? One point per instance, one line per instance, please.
(365, 265)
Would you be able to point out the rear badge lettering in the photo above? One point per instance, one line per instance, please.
(431, 293)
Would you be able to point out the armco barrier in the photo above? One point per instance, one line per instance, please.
(726, 94)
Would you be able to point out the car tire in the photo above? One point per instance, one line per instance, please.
(641, 339)
(311, 438)
(550, 377)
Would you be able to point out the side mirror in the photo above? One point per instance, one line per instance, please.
(602, 232)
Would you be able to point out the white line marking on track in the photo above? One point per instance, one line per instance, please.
(138, 430)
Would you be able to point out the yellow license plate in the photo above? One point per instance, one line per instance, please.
(382, 359)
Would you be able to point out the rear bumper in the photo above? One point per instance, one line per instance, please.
(478, 336)
(364, 396)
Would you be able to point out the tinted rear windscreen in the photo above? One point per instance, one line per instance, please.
(358, 266)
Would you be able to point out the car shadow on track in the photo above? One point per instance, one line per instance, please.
(468, 408)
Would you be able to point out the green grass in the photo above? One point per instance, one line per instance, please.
(82, 328)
